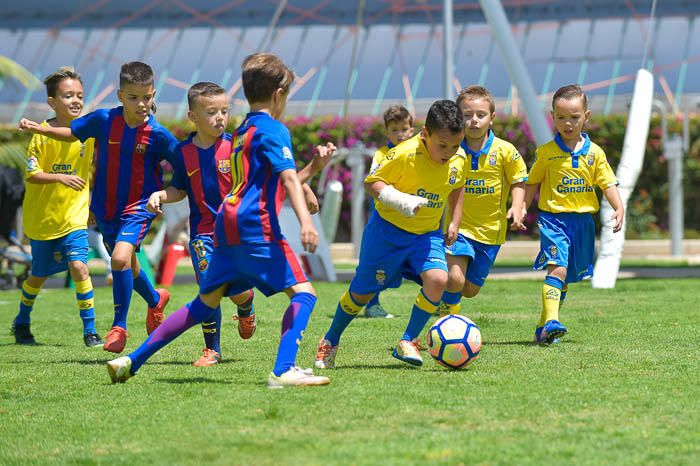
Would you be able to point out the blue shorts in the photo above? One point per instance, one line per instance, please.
(52, 256)
(482, 257)
(389, 253)
(567, 240)
(269, 267)
(130, 228)
(201, 249)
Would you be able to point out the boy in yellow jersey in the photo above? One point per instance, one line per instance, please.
(412, 185)
(398, 126)
(55, 210)
(566, 171)
(494, 168)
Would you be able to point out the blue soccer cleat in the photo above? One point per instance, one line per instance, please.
(550, 332)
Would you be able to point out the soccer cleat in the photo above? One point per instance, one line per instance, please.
(550, 332)
(23, 334)
(154, 315)
(296, 377)
(119, 369)
(209, 358)
(92, 340)
(116, 340)
(406, 351)
(325, 355)
(419, 344)
(246, 325)
(376, 311)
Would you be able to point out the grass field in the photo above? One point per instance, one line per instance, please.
(622, 388)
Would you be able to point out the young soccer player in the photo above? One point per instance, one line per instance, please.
(494, 168)
(202, 172)
(130, 146)
(566, 171)
(398, 126)
(250, 250)
(56, 208)
(412, 184)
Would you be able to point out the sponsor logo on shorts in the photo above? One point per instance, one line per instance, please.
(380, 276)
(553, 251)
(58, 257)
(203, 265)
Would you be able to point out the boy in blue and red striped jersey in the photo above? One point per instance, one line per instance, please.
(130, 144)
(202, 173)
(250, 250)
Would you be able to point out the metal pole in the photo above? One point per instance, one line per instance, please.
(353, 59)
(500, 28)
(356, 161)
(448, 48)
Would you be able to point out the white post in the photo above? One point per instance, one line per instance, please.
(448, 48)
(356, 162)
(674, 155)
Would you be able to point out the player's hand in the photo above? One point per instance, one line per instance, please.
(153, 204)
(28, 125)
(309, 237)
(323, 155)
(618, 217)
(451, 235)
(311, 200)
(516, 215)
(72, 181)
(415, 205)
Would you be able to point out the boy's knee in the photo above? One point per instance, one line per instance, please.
(455, 280)
(470, 290)
(78, 270)
(436, 279)
(121, 263)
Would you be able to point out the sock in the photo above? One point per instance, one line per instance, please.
(346, 311)
(564, 289)
(551, 294)
(374, 301)
(453, 301)
(294, 322)
(176, 323)
(423, 309)
(212, 331)
(122, 286)
(246, 309)
(26, 303)
(86, 304)
(144, 287)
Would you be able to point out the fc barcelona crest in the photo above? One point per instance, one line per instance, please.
(224, 166)
(140, 148)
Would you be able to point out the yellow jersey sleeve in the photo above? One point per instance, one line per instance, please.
(34, 156)
(378, 156)
(604, 176)
(536, 174)
(409, 169)
(515, 168)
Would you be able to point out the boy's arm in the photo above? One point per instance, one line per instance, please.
(309, 235)
(455, 202)
(311, 199)
(530, 191)
(72, 181)
(517, 209)
(618, 216)
(406, 204)
(322, 155)
(61, 133)
(165, 196)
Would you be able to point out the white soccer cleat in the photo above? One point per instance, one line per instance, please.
(119, 369)
(296, 377)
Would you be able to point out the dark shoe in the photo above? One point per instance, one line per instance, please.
(92, 340)
(377, 312)
(23, 334)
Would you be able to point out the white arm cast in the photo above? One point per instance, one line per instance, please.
(406, 204)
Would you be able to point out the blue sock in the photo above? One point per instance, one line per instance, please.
(26, 303)
(346, 311)
(294, 322)
(176, 323)
(122, 286)
(144, 287)
(423, 309)
(374, 301)
(212, 331)
(453, 301)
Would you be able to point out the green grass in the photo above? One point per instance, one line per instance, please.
(621, 389)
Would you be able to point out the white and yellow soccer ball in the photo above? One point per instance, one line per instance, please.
(454, 341)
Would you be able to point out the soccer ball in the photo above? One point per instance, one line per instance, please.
(454, 341)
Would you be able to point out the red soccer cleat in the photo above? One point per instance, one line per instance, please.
(154, 315)
(116, 340)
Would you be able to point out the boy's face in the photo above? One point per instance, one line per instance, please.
(68, 102)
(478, 117)
(137, 101)
(441, 144)
(398, 131)
(210, 115)
(569, 117)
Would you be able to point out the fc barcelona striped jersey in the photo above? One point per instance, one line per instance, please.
(127, 160)
(206, 176)
(261, 151)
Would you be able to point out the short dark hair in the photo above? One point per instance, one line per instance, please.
(397, 113)
(445, 114)
(476, 92)
(569, 92)
(137, 73)
(262, 74)
(203, 89)
(54, 79)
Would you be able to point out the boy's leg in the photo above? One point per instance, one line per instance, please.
(549, 328)
(122, 287)
(245, 311)
(156, 300)
(21, 327)
(452, 297)
(85, 296)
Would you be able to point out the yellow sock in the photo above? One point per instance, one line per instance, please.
(551, 294)
(348, 305)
